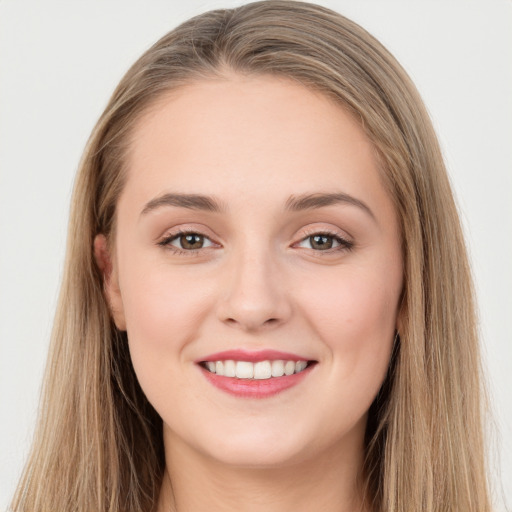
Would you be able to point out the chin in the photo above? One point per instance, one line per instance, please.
(259, 447)
(256, 456)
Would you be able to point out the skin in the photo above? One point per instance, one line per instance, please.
(259, 282)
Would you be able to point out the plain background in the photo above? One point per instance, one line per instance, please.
(60, 61)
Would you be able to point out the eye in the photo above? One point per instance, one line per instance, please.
(186, 241)
(324, 242)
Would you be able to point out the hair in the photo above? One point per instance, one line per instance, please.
(98, 443)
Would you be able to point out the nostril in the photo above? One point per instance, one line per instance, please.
(252, 323)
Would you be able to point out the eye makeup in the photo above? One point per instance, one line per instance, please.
(189, 242)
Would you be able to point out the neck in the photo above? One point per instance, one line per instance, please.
(194, 482)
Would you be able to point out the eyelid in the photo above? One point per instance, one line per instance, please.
(185, 229)
(322, 230)
(345, 243)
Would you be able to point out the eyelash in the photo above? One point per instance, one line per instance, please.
(166, 243)
(344, 244)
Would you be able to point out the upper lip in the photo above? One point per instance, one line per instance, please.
(252, 356)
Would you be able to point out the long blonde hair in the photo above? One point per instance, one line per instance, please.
(98, 444)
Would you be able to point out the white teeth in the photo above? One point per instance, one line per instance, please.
(300, 365)
(289, 367)
(244, 370)
(229, 368)
(260, 370)
(263, 370)
(277, 368)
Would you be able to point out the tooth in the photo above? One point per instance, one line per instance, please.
(277, 368)
(229, 368)
(244, 370)
(300, 365)
(289, 368)
(262, 370)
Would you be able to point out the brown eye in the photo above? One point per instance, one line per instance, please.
(321, 242)
(325, 242)
(186, 242)
(191, 241)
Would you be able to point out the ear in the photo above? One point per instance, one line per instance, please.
(111, 289)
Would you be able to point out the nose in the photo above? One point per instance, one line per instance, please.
(253, 295)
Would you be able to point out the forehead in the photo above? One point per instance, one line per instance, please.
(242, 137)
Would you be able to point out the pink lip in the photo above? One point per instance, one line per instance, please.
(252, 356)
(254, 388)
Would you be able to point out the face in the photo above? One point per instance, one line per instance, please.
(254, 230)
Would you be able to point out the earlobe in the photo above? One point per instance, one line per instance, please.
(103, 258)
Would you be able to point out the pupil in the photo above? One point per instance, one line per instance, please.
(321, 242)
(191, 241)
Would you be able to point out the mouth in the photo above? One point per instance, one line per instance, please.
(261, 370)
(255, 374)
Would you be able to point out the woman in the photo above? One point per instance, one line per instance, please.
(258, 310)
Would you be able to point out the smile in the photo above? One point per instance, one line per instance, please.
(259, 374)
(258, 371)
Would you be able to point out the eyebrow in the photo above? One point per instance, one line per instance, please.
(293, 203)
(320, 200)
(190, 201)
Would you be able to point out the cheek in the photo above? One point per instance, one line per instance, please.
(353, 302)
(163, 312)
(354, 313)
(160, 303)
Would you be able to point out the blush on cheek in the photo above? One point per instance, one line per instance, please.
(163, 314)
(356, 319)
(352, 305)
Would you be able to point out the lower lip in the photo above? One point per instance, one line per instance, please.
(256, 388)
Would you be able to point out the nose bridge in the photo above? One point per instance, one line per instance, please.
(254, 295)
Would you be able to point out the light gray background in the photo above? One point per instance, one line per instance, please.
(59, 62)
